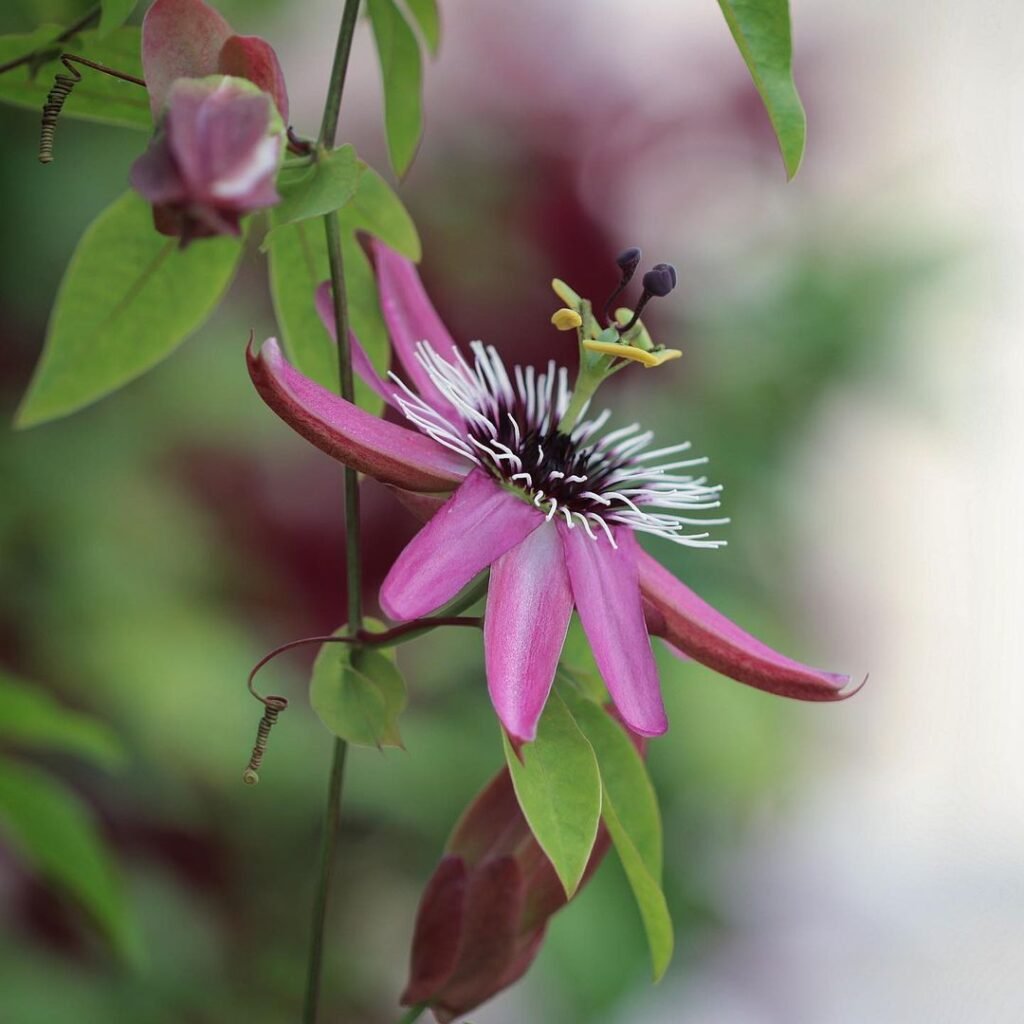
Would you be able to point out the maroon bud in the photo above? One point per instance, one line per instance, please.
(190, 39)
(213, 159)
(483, 915)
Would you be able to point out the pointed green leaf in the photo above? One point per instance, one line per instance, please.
(762, 33)
(298, 264)
(113, 14)
(630, 813)
(32, 718)
(376, 210)
(559, 790)
(325, 186)
(402, 76)
(358, 694)
(647, 892)
(429, 20)
(129, 297)
(55, 833)
(97, 97)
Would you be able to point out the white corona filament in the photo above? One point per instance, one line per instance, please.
(624, 488)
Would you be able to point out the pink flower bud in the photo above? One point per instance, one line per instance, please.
(483, 915)
(213, 159)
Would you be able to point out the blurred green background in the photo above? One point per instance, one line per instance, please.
(156, 544)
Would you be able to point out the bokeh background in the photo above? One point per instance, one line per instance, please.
(853, 368)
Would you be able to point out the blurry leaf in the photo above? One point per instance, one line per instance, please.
(327, 185)
(358, 694)
(559, 789)
(32, 718)
(18, 46)
(402, 76)
(298, 264)
(97, 97)
(129, 297)
(51, 828)
(630, 813)
(429, 20)
(761, 30)
(114, 14)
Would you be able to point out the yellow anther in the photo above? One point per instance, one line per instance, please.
(620, 351)
(566, 319)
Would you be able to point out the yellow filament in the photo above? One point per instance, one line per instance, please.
(620, 351)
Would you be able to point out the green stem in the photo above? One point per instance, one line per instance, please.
(329, 124)
(413, 1013)
(332, 814)
(587, 382)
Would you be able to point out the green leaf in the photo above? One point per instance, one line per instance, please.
(55, 833)
(761, 31)
(630, 813)
(129, 297)
(358, 694)
(113, 14)
(647, 892)
(32, 718)
(17, 46)
(97, 97)
(402, 76)
(429, 20)
(298, 264)
(327, 185)
(376, 210)
(559, 790)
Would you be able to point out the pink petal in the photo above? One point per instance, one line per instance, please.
(360, 360)
(676, 613)
(607, 594)
(529, 605)
(410, 317)
(383, 450)
(180, 39)
(253, 58)
(474, 527)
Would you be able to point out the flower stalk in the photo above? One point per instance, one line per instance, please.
(353, 561)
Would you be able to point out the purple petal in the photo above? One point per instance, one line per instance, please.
(180, 39)
(410, 317)
(360, 360)
(676, 613)
(529, 605)
(474, 527)
(218, 135)
(607, 595)
(383, 450)
(155, 175)
(253, 58)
